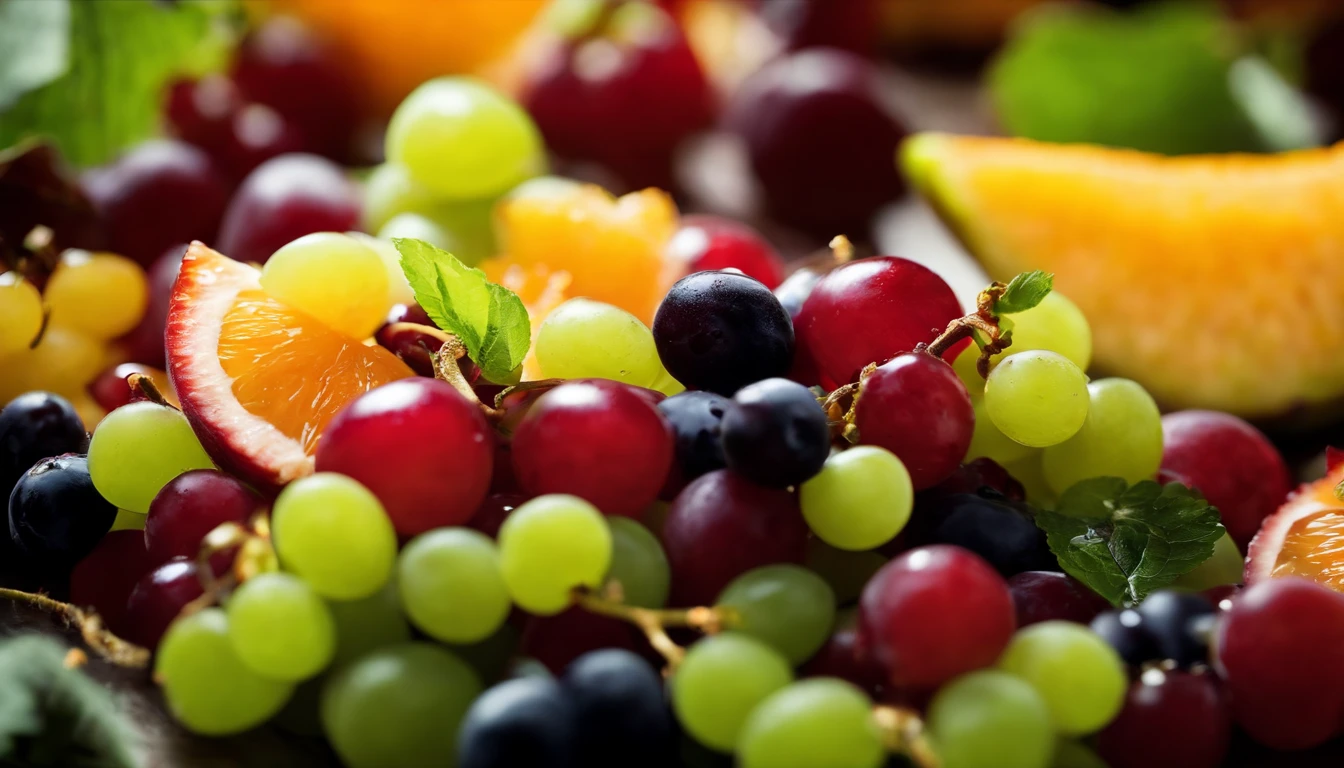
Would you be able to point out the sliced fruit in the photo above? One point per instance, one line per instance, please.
(258, 379)
(1305, 537)
(1212, 280)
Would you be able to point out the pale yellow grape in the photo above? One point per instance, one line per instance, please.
(100, 295)
(586, 339)
(128, 521)
(1029, 473)
(137, 449)
(667, 385)
(64, 362)
(988, 441)
(861, 498)
(1079, 676)
(334, 534)
(20, 314)
(1121, 437)
(548, 547)
(390, 190)
(333, 277)
(967, 368)
(1037, 398)
(415, 226)
(1056, 325)
(398, 287)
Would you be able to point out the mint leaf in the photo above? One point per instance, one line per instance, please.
(101, 89)
(490, 319)
(1160, 78)
(1024, 292)
(1126, 541)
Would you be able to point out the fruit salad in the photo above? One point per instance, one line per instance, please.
(369, 405)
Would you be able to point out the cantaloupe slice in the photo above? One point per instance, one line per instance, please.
(1216, 281)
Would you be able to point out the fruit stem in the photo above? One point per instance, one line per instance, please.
(984, 320)
(526, 386)
(143, 388)
(841, 249)
(116, 650)
(448, 371)
(903, 733)
(654, 622)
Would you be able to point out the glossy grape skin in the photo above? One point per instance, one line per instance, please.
(638, 564)
(137, 449)
(56, 516)
(197, 662)
(451, 585)
(583, 339)
(820, 140)
(368, 624)
(915, 406)
(1170, 718)
(723, 525)
(495, 510)
(721, 680)
(989, 442)
(990, 719)
(434, 126)
(337, 279)
(597, 440)
(869, 311)
(556, 641)
(103, 580)
(160, 193)
(20, 313)
(333, 533)
(1037, 398)
(36, 426)
(110, 390)
(419, 446)
(1229, 461)
(399, 705)
(98, 295)
(619, 710)
(788, 607)
(852, 26)
(1055, 325)
(696, 419)
(190, 506)
(1125, 631)
(1053, 596)
(158, 597)
(201, 112)
(1122, 437)
(720, 331)
(860, 500)
(284, 199)
(280, 628)
(1180, 623)
(550, 546)
(1004, 533)
(705, 243)
(775, 433)
(525, 721)
(822, 721)
(934, 613)
(840, 658)
(1081, 679)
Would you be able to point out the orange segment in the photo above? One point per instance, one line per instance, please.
(1305, 537)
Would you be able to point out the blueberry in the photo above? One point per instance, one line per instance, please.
(56, 516)
(696, 419)
(776, 434)
(1001, 531)
(36, 426)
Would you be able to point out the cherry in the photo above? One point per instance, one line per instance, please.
(1171, 719)
(103, 580)
(284, 199)
(192, 505)
(1049, 596)
(706, 242)
(916, 407)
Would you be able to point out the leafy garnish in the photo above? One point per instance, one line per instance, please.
(54, 716)
(90, 75)
(1126, 541)
(490, 319)
(1024, 292)
(1166, 78)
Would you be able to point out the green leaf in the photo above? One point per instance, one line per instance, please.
(102, 82)
(1160, 78)
(1126, 541)
(490, 319)
(53, 716)
(1024, 292)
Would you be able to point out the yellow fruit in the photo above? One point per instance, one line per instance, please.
(336, 279)
(101, 295)
(20, 313)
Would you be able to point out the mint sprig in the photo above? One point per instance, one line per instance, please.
(490, 319)
(1126, 541)
(1023, 292)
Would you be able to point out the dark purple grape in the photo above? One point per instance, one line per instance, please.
(1181, 623)
(696, 419)
(55, 514)
(621, 713)
(1053, 596)
(1125, 632)
(795, 289)
(776, 433)
(284, 199)
(1003, 532)
(851, 25)
(36, 426)
(524, 721)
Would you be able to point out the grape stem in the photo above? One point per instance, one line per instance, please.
(903, 733)
(121, 652)
(448, 371)
(654, 623)
(142, 388)
(984, 320)
(1339, 490)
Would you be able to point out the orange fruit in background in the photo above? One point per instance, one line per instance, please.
(541, 289)
(1305, 537)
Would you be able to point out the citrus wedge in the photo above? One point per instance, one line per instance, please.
(1305, 537)
(258, 379)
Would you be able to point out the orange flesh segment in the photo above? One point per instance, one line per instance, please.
(1314, 549)
(293, 371)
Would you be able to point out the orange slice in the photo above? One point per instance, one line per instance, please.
(259, 380)
(1305, 537)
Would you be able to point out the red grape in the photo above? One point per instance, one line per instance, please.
(851, 25)
(1049, 595)
(597, 440)
(494, 511)
(871, 310)
(839, 657)
(1280, 649)
(284, 199)
(104, 579)
(144, 344)
(557, 640)
(1229, 461)
(157, 599)
(1171, 719)
(159, 194)
(257, 133)
(979, 475)
(110, 389)
(192, 505)
(201, 112)
(723, 525)
(705, 243)
(934, 613)
(421, 447)
(915, 406)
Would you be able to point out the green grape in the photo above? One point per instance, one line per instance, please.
(638, 563)
(416, 226)
(990, 719)
(988, 441)
(333, 533)
(209, 689)
(337, 279)
(1037, 398)
(821, 721)
(720, 682)
(137, 449)
(543, 187)
(20, 313)
(667, 385)
(548, 547)
(492, 656)
(1224, 566)
(302, 714)
(390, 190)
(1121, 437)
(398, 706)
(451, 585)
(785, 606)
(860, 500)
(459, 138)
(966, 366)
(1078, 675)
(280, 628)
(1054, 325)
(586, 339)
(398, 287)
(470, 227)
(846, 571)
(368, 624)
(128, 521)
(1072, 754)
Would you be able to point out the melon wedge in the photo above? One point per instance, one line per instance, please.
(1215, 281)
